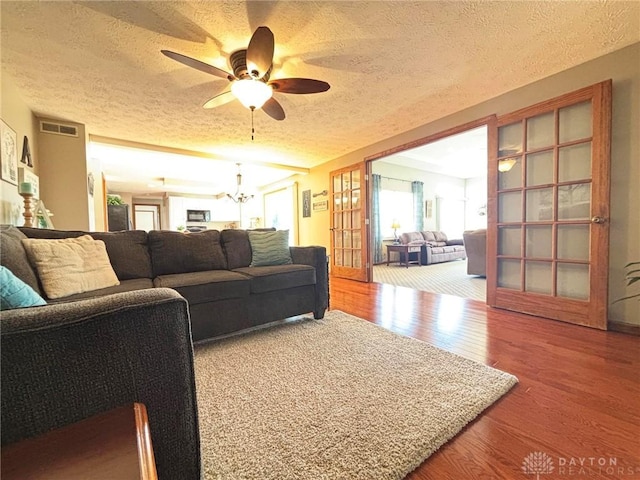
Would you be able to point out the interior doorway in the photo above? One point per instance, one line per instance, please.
(146, 217)
(436, 184)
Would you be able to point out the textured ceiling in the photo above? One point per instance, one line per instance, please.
(392, 66)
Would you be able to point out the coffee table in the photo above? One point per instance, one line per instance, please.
(406, 250)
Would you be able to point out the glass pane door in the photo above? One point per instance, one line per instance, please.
(550, 186)
(348, 250)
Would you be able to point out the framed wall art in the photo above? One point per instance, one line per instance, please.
(8, 153)
(428, 209)
(306, 203)
(321, 205)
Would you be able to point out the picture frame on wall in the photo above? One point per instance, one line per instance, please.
(8, 153)
(321, 205)
(306, 203)
(428, 209)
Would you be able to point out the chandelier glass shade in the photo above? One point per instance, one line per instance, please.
(251, 93)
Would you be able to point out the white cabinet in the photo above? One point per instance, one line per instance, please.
(222, 210)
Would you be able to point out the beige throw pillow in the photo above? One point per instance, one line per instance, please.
(71, 265)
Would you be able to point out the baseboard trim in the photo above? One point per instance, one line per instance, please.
(624, 328)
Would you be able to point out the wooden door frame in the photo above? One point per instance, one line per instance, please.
(483, 121)
(156, 205)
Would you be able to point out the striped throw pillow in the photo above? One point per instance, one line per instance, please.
(269, 248)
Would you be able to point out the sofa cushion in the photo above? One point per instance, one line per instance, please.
(14, 257)
(439, 244)
(411, 238)
(124, 286)
(14, 293)
(210, 286)
(437, 250)
(237, 248)
(176, 252)
(269, 248)
(70, 265)
(440, 236)
(278, 277)
(428, 236)
(128, 251)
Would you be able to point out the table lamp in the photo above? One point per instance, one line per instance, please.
(395, 225)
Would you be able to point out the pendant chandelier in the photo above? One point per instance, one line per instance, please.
(239, 197)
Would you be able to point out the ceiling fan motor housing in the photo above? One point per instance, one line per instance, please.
(238, 61)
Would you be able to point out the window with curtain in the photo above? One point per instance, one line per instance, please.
(396, 206)
(279, 211)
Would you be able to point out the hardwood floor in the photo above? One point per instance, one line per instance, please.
(578, 397)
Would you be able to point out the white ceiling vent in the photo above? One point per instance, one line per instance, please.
(58, 129)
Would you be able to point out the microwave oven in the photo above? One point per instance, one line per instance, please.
(198, 216)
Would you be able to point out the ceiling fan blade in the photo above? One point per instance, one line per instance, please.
(260, 52)
(273, 109)
(299, 85)
(220, 99)
(198, 65)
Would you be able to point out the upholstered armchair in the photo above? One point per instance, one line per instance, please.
(475, 244)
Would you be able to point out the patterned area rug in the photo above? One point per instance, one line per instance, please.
(448, 277)
(338, 398)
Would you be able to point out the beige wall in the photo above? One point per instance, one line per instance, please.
(63, 177)
(18, 116)
(623, 67)
(97, 200)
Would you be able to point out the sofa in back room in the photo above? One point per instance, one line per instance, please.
(435, 246)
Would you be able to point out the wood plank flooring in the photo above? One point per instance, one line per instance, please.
(578, 399)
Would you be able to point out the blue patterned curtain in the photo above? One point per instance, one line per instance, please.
(376, 231)
(418, 205)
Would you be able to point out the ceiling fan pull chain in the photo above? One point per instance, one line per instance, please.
(253, 130)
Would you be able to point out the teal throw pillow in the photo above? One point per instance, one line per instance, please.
(14, 293)
(269, 248)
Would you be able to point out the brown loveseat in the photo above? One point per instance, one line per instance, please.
(435, 246)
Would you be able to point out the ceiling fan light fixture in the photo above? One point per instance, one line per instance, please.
(251, 93)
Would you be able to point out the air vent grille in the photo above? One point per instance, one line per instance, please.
(58, 129)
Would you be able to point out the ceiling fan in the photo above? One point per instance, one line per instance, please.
(250, 81)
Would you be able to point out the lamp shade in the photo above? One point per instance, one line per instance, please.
(395, 224)
(506, 164)
(251, 93)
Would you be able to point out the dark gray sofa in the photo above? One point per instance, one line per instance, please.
(211, 271)
(66, 362)
(91, 352)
